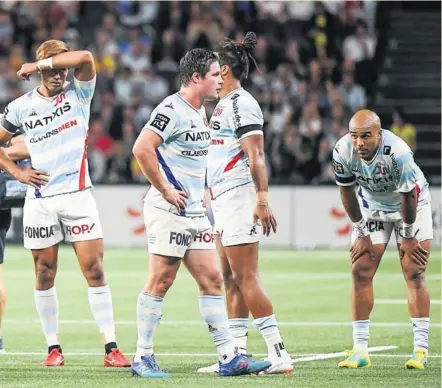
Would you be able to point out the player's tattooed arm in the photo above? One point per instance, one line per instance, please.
(253, 147)
(82, 61)
(409, 206)
(410, 244)
(144, 151)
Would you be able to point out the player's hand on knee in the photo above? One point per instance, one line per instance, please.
(265, 216)
(360, 247)
(412, 248)
(175, 197)
(34, 178)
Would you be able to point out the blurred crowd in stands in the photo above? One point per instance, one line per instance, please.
(315, 68)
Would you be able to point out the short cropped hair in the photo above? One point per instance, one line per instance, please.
(196, 61)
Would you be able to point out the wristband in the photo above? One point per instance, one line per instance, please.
(361, 228)
(408, 230)
(45, 64)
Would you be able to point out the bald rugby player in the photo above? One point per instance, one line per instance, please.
(382, 189)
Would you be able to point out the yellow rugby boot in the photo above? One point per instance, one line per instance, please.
(356, 359)
(418, 359)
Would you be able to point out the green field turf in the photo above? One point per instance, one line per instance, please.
(311, 295)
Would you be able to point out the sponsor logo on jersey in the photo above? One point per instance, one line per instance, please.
(215, 125)
(375, 181)
(42, 121)
(236, 115)
(217, 142)
(387, 150)
(53, 132)
(217, 112)
(396, 171)
(39, 231)
(181, 239)
(338, 167)
(60, 98)
(197, 136)
(160, 122)
(382, 168)
(194, 153)
(169, 106)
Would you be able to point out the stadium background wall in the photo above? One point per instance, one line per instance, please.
(308, 217)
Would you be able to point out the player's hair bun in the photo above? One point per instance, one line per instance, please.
(250, 41)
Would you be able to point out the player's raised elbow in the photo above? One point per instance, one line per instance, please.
(87, 57)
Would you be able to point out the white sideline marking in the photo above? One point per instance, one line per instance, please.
(402, 301)
(200, 323)
(326, 356)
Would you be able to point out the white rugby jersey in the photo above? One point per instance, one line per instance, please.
(55, 131)
(236, 116)
(182, 155)
(391, 171)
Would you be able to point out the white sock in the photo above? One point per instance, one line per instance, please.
(46, 303)
(148, 318)
(270, 332)
(421, 327)
(239, 327)
(361, 331)
(213, 310)
(100, 302)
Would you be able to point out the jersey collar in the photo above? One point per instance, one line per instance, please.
(50, 99)
(196, 110)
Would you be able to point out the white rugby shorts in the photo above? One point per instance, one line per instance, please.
(233, 215)
(70, 217)
(172, 235)
(380, 225)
